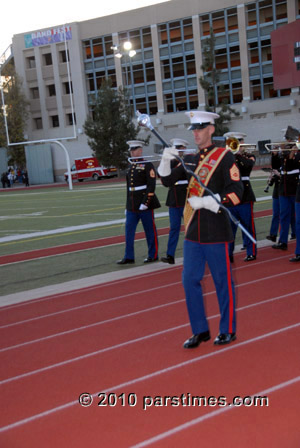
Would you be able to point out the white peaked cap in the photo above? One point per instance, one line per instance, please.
(198, 117)
(178, 142)
(238, 135)
(133, 144)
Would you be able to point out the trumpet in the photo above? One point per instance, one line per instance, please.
(234, 145)
(283, 146)
(157, 157)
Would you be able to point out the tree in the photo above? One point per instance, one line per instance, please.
(111, 126)
(17, 115)
(210, 82)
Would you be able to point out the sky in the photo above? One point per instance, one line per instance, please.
(30, 15)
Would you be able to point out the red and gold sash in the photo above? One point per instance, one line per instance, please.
(204, 170)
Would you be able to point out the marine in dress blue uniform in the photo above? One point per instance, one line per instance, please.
(208, 230)
(286, 163)
(175, 201)
(296, 258)
(140, 204)
(244, 211)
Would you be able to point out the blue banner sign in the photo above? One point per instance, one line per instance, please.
(46, 37)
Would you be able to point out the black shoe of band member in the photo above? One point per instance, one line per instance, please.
(282, 246)
(196, 340)
(250, 258)
(150, 260)
(126, 261)
(231, 258)
(295, 259)
(224, 338)
(168, 259)
(293, 237)
(243, 248)
(271, 238)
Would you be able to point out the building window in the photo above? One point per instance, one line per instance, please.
(54, 121)
(64, 56)
(34, 93)
(47, 59)
(66, 88)
(51, 90)
(38, 123)
(70, 119)
(97, 48)
(87, 50)
(30, 62)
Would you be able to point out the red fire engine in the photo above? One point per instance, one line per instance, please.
(89, 168)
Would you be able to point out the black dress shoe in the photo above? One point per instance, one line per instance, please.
(295, 259)
(243, 248)
(271, 238)
(168, 259)
(196, 339)
(231, 258)
(125, 261)
(224, 338)
(293, 237)
(150, 260)
(250, 258)
(282, 246)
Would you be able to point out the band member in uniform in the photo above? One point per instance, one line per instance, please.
(175, 202)
(244, 211)
(207, 226)
(296, 258)
(285, 162)
(141, 201)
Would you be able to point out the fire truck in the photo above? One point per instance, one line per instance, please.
(88, 168)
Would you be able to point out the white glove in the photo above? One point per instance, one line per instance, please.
(164, 168)
(207, 202)
(143, 207)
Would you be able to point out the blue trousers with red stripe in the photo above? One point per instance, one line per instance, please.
(287, 207)
(175, 214)
(244, 213)
(297, 207)
(276, 218)
(195, 256)
(132, 220)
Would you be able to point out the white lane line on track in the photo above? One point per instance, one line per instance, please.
(212, 414)
(124, 344)
(148, 376)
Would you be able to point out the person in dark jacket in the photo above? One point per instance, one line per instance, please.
(296, 258)
(208, 231)
(244, 210)
(175, 201)
(288, 166)
(140, 203)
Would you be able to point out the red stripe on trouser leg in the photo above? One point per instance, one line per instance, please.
(230, 292)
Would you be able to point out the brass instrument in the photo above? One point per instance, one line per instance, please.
(234, 145)
(283, 146)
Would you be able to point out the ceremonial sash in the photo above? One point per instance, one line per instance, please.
(204, 170)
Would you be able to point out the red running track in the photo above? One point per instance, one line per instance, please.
(125, 339)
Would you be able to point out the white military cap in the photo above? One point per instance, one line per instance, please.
(200, 119)
(238, 135)
(179, 142)
(134, 144)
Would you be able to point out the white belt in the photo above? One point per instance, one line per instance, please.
(141, 187)
(181, 182)
(245, 178)
(290, 172)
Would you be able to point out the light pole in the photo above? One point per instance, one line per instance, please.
(127, 51)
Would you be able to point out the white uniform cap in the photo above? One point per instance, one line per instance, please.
(238, 135)
(200, 119)
(179, 142)
(134, 144)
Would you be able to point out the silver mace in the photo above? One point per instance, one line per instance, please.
(144, 121)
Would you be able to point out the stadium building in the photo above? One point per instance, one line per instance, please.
(163, 71)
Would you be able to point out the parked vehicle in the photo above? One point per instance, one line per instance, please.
(90, 169)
